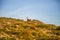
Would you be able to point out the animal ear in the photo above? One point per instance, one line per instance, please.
(26, 17)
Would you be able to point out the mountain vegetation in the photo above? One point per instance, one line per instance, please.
(17, 29)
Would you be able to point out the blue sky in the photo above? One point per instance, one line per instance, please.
(47, 11)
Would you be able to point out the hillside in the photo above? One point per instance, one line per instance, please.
(17, 29)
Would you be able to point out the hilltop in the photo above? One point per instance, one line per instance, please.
(17, 29)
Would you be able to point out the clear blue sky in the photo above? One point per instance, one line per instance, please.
(47, 11)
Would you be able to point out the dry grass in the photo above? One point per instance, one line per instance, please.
(17, 29)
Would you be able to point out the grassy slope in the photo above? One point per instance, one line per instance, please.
(16, 29)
